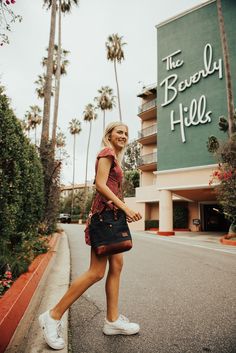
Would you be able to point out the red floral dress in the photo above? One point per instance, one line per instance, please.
(114, 183)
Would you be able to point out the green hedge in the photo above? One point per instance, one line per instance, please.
(21, 191)
(180, 216)
(154, 223)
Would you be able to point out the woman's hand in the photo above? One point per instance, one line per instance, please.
(132, 216)
(104, 166)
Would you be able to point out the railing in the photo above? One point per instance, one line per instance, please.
(150, 130)
(148, 159)
(147, 106)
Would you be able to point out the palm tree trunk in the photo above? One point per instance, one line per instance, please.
(228, 81)
(73, 180)
(48, 80)
(86, 169)
(58, 77)
(35, 136)
(118, 91)
(104, 120)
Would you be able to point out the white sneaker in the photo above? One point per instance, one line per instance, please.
(51, 330)
(121, 326)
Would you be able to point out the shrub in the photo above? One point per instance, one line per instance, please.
(21, 192)
(151, 223)
(131, 181)
(180, 216)
(65, 203)
(225, 175)
(5, 282)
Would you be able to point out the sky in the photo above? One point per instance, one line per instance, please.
(84, 33)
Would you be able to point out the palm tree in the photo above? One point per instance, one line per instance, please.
(64, 62)
(46, 150)
(25, 125)
(60, 64)
(230, 103)
(115, 53)
(60, 141)
(89, 115)
(75, 128)
(106, 101)
(63, 6)
(40, 82)
(228, 80)
(48, 81)
(34, 118)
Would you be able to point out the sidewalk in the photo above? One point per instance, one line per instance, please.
(54, 283)
(211, 237)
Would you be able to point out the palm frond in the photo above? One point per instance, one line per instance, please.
(89, 113)
(114, 46)
(75, 126)
(106, 100)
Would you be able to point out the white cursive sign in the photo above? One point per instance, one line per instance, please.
(210, 67)
(197, 112)
(170, 63)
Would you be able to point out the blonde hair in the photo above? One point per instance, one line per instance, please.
(106, 142)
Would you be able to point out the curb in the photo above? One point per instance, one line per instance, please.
(166, 234)
(153, 229)
(16, 300)
(227, 241)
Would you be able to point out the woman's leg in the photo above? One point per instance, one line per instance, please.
(116, 324)
(112, 286)
(78, 287)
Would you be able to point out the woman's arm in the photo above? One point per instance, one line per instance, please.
(104, 166)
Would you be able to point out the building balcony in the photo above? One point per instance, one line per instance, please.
(147, 91)
(148, 135)
(148, 110)
(148, 193)
(148, 162)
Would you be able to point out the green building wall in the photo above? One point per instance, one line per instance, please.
(183, 144)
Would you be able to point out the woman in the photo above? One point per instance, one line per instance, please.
(108, 185)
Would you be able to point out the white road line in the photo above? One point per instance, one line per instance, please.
(171, 241)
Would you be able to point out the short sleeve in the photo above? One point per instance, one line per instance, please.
(107, 152)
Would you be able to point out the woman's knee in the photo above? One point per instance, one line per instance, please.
(97, 267)
(116, 263)
(96, 276)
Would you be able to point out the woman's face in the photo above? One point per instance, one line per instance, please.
(119, 137)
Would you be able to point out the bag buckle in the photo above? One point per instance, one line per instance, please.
(115, 214)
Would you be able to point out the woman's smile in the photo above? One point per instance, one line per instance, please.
(119, 136)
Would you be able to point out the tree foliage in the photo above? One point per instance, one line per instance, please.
(79, 208)
(132, 156)
(21, 190)
(225, 175)
(105, 101)
(115, 53)
(129, 165)
(7, 17)
(131, 181)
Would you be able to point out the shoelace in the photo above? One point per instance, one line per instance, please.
(59, 329)
(124, 318)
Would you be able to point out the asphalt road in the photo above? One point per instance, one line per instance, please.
(181, 291)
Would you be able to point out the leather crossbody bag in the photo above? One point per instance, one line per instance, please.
(109, 232)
